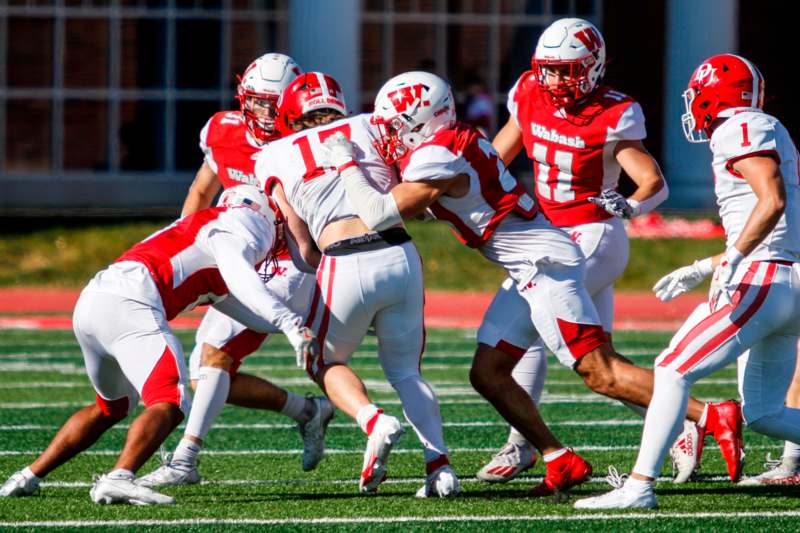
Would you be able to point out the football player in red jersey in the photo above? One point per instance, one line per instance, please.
(579, 134)
(453, 172)
(231, 141)
(129, 350)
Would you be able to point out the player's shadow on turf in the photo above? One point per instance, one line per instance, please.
(756, 491)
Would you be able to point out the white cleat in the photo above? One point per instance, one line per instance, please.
(385, 434)
(686, 452)
(624, 495)
(784, 471)
(114, 490)
(169, 474)
(508, 463)
(18, 485)
(442, 482)
(313, 433)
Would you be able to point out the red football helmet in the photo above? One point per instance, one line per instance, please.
(719, 84)
(308, 92)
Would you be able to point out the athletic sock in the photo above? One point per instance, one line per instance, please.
(515, 437)
(791, 451)
(121, 473)
(530, 373)
(366, 417)
(213, 386)
(186, 453)
(28, 474)
(421, 408)
(298, 408)
(552, 456)
(639, 485)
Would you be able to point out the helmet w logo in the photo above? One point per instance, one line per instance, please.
(705, 74)
(590, 39)
(407, 96)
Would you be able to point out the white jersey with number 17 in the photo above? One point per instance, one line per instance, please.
(312, 187)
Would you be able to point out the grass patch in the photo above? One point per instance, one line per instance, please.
(69, 255)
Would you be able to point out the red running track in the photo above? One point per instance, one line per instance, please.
(51, 308)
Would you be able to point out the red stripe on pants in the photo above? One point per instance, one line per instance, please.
(162, 383)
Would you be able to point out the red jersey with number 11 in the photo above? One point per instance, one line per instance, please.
(573, 150)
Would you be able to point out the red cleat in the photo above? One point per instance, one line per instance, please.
(724, 422)
(562, 474)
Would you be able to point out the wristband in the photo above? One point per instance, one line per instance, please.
(347, 165)
(703, 266)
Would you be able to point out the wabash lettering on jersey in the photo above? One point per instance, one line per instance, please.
(229, 150)
(573, 154)
(493, 192)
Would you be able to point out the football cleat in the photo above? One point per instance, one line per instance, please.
(512, 460)
(686, 452)
(385, 434)
(563, 473)
(442, 482)
(785, 471)
(313, 432)
(108, 490)
(170, 474)
(18, 485)
(624, 495)
(727, 431)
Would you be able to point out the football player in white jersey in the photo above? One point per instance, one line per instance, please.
(120, 322)
(452, 171)
(230, 141)
(364, 278)
(754, 301)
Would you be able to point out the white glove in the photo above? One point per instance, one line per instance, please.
(340, 150)
(305, 345)
(722, 287)
(682, 280)
(614, 203)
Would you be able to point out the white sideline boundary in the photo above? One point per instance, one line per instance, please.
(404, 519)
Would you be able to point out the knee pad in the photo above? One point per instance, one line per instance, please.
(113, 408)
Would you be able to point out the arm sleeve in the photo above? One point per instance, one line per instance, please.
(648, 204)
(235, 260)
(630, 126)
(378, 211)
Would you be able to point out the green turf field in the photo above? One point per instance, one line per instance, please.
(251, 465)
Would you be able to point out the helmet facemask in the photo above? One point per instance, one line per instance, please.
(694, 132)
(575, 84)
(259, 111)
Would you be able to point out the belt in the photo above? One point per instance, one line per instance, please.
(368, 242)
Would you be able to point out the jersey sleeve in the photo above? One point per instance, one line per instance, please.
(630, 126)
(207, 153)
(434, 162)
(247, 225)
(745, 135)
(512, 104)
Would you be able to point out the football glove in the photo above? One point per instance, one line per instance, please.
(306, 347)
(682, 280)
(340, 150)
(722, 286)
(614, 203)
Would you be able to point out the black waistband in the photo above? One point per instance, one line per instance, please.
(368, 242)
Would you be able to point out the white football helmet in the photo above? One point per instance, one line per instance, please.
(409, 109)
(575, 49)
(248, 196)
(262, 83)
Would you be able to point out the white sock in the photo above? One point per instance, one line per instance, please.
(365, 414)
(552, 456)
(186, 453)
(639, 485)
(28, 474)
(213, 386)
(664, 421)
(297, 408)
(120, 473)
(791, 451)
(530, 373)
(421, 408)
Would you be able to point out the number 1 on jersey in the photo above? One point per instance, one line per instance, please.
(314, 169)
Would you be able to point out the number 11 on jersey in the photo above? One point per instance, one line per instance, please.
(543, 165)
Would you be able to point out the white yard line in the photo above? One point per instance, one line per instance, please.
(359, 451)
(593, 517)
(570, 423)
